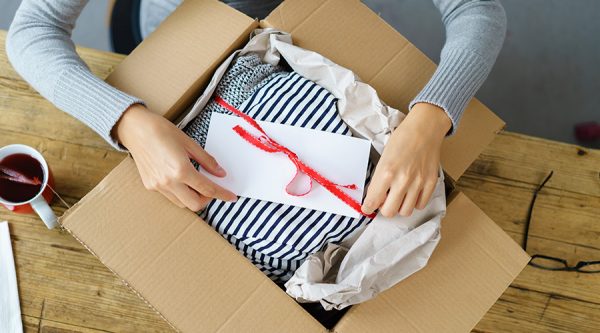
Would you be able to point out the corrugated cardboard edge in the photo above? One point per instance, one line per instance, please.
(132, 288)
(414, 295)
(114, 236)
(127, 284)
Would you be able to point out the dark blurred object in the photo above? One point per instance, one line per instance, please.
(254, 9)
(587, 132)
(125, 32)
(327, 318)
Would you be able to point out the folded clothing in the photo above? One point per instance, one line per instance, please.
(277, 238)
(246, 75)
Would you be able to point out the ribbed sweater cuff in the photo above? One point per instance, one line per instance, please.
(92, 101)
(456, 80)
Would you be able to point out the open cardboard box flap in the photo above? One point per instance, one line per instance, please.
(197, 281)
(177, 263)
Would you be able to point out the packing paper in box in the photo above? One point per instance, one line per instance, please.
(387, 250)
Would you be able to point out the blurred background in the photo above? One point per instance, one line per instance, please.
(546, 79)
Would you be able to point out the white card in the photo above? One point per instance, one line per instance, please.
(10, 313)
(257, 174)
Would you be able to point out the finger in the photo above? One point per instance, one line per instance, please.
(172, 198)
(188, 197)
(426, 193)
(374, 199)
(205, 201)
(203, 158)
(376, 192)
(408, 205)
(206, 187)
(393, 201)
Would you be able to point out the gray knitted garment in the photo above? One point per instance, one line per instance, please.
(245, 75)
(40, 48)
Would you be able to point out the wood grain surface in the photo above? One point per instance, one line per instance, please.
(63, 288)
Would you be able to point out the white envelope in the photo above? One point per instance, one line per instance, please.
(258, 174)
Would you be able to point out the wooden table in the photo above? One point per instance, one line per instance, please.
(63, 288)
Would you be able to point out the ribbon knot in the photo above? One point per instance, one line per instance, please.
(265, 143)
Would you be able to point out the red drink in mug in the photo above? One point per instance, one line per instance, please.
(25, 182)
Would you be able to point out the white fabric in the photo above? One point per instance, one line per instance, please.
(10, 312)
(388, 250)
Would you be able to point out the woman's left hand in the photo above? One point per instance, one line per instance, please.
(407, 172)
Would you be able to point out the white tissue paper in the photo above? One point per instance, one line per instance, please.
(10, 312)
(388, 250)
(385, 253)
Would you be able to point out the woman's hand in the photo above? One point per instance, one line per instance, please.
(407, 172)
(162, 154)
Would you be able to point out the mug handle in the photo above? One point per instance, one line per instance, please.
(42, 208)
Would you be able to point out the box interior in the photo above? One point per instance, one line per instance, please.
(183, 267)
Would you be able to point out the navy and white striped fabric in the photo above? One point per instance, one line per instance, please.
(277, 238)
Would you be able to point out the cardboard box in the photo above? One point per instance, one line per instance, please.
(194, 278)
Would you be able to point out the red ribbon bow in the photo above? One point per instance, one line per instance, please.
(265, 143)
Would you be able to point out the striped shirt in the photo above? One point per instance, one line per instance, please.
(277, 238)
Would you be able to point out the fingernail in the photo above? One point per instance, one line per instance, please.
(221, 171)
(366, 210)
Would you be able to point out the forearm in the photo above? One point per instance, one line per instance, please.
(475, 32)
(40, 48)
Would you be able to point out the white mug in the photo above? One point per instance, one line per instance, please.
(39, 203)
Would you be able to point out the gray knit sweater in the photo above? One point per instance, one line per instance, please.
(40, 48)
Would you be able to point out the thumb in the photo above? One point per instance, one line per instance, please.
(203, 158)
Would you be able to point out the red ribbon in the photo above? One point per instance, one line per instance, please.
(265, 143)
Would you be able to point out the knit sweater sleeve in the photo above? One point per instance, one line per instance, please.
(475, 31)
(40, 48)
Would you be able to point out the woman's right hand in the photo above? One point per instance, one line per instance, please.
(162, 153)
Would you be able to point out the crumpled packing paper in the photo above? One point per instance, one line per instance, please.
(10, 312)
(386, 251)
